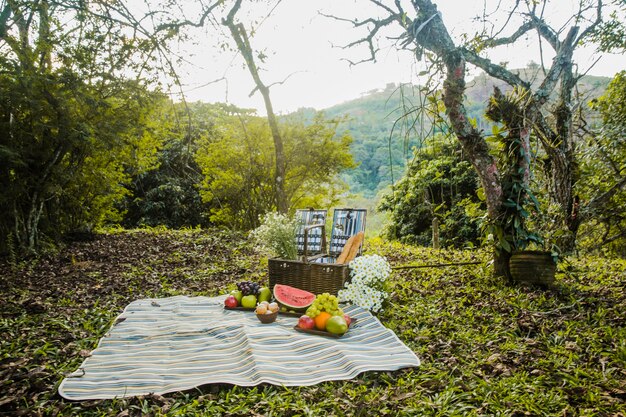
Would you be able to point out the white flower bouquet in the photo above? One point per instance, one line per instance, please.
(366, 289)
(276, 236)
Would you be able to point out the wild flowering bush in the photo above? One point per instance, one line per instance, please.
(276, 236)
(366, 289)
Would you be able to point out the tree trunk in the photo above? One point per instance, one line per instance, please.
(32, 225)
(238, 32)
(435, 232)
(501, 264)
(436, 38)
(565, 166)
(279, 177)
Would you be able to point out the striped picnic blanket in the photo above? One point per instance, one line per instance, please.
(178, 343)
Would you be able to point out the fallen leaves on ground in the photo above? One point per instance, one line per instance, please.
(487, 348)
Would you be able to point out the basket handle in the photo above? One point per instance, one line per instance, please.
(306, 239)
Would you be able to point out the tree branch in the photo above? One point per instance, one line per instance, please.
(594, 25)
(562, 58)
(605, 197)
(496, 71)
(200, 23)
(369, 39)
(545, 32)
(508, 19)
(4, 18)
(525, 28)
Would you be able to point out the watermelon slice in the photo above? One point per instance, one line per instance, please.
(293, 298)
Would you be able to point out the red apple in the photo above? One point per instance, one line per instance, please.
(230, 301)
(347, 319)
(306, 322)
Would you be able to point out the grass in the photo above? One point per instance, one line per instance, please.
(487, 348)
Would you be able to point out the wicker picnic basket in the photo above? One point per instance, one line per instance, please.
(319, 274)
(314, 277)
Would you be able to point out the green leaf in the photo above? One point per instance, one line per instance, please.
(480, 193)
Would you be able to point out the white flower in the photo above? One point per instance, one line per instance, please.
(368, 273)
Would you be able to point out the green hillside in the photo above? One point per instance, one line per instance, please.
(371, 117)
(370, 120)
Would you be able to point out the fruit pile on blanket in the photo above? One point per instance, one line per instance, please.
(321, 312)
(325, 314)
(247, 295)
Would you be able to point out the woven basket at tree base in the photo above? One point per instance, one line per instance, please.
(317, 278)
(532, 267)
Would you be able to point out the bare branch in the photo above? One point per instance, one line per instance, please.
(372, 33)
(594, 25)
(508, 19)
(588, 69)
(546, 32)
(497, 71)
(275, 83)
(200, 23)
(522, 30)
(385, 7)
(206, 84)
(285, 79)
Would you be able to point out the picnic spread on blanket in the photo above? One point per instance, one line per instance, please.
(178, 343)
(294, 332)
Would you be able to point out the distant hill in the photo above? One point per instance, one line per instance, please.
(371, 118)
(481, 87)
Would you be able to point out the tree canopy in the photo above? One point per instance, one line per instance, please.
(73, 125)
(238, 166)
(88, 136)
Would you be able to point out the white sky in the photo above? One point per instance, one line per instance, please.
(299, 41)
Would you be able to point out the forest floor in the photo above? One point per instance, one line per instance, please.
(487, 348)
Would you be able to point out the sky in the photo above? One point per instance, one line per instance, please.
(304, 52)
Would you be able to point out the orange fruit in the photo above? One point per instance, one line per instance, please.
(321, 319)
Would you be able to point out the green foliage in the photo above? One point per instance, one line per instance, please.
(67, 151)
(237, 163)
(610, 35)
(438, 183)
(70, 133)
(486, 348)
(168, 194)
(603, 166)
(510, 232)
(370, 120)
